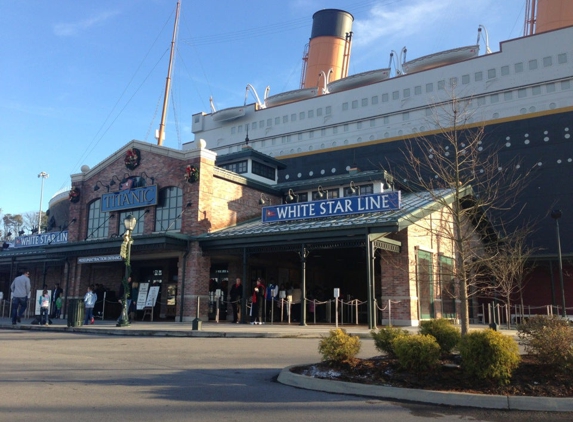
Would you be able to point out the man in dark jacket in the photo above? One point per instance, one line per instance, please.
(236, 294)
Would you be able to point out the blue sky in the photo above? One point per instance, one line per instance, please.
(80, 79)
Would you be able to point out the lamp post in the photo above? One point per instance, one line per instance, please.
(125, 252)
(43, 175)
(556, 215)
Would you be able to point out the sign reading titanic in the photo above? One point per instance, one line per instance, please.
(388, 201)
(126, 199)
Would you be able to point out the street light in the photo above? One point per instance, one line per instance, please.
(125, 252)
(556, 215)
(43, 175)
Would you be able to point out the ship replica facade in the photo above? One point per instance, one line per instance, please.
(337, 123)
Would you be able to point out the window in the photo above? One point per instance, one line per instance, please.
(481, 101)
(269, 122)
(310, 114)
(262, 124)
(139, 216)
(547, 61)
(453, 82)
(425, 281)
(238, 167)
(374, 100)
(562, 58)
(447, 287)
(335, 130)
(396, 95)
(406, 92)
(504, 70)
(277, 120)
(355, 104)
(429, 87)
(494, 98)
(254, 125)
(293, 117)
(521, 93)
(169, 208)
(318, 112)
(550, 87)
(358, 126)
(98, 221)
(478, 76)
(344, 106)
(327, 110)
(441, 84)
(302, 197)
(565, 85)
(518, 67)
(384, 98)
(364, 102)
(301, 115)
(406, 116)
(366, 189)
(285, 119)
(386, 120)
(532, 64)
(491, 73)
(372, 122)
(263, 170)
(507, 96)
(536, 90)
(465, 79)
(418, 90)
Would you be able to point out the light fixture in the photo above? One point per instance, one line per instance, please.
(322, 193)
(96, 187)
(556, 215)
(264, 199)
(353, 188)
(34, 230)
(144, 174)
(291, 196)
(129, 222)
(21, 232)
(112, 182)
(9, 234)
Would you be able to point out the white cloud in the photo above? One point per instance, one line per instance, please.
(71, 29)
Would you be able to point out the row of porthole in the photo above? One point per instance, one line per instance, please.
(322, 172)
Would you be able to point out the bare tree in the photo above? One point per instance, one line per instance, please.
(459, 159)
(12, 224)
(508, 263)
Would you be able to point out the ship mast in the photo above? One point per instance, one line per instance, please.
(161, 133)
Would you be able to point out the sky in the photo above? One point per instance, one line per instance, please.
(80, 79)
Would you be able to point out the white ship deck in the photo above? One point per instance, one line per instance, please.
(528, 76)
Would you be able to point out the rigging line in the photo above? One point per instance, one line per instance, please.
(200, 63)
(153, 118)
(85, 154)
(127, 103)
(176, 120)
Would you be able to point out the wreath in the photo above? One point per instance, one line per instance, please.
(132, 158)
(191, 174)
(74, 194)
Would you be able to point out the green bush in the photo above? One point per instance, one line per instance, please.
(339, 347)
(385, 336)
(489, 355)
(418, 353)
(443, 331)
(549, 339)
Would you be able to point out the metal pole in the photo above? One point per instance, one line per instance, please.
(303, 256)
(43, 175)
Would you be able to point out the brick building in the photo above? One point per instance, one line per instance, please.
(201, 222)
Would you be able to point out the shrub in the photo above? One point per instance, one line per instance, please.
(489, 355)
(443, 331)
(418, 353)
(339, 346)
(549, 339)
(385, 336)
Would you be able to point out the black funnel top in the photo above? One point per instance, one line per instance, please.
(331, 23)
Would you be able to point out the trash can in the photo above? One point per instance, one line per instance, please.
(75, 313)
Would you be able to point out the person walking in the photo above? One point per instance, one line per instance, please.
(236, 294)
(89, 302)
(44, 302)
(20, 289)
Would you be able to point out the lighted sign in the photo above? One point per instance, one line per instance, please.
(129, 198)
(42, 239)
(388, 201)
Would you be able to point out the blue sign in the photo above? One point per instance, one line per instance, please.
(129, 198)
(388, 201)
(42, 239)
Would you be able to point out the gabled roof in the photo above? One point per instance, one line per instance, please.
(415, 206)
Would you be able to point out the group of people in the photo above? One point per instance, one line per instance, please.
(21, 293)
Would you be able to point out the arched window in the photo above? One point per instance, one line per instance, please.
(168, 211)
(98, 221)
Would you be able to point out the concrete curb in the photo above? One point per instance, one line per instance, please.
(543, 404)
